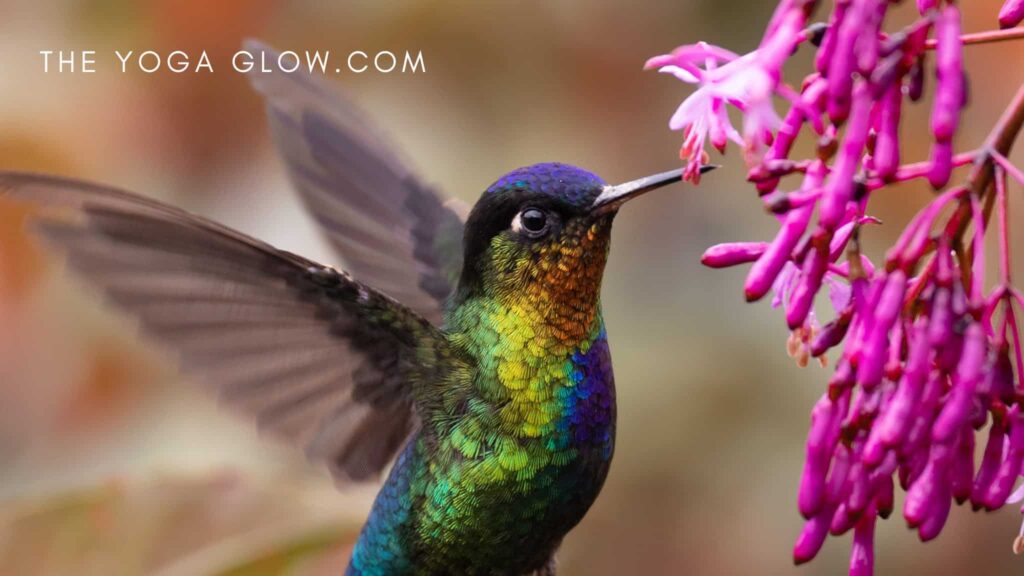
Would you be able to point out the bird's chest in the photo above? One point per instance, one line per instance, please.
(523, 471)
(508, 473)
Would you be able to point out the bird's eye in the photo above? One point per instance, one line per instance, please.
(531, 221)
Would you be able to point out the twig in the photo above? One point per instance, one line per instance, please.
(986, 37)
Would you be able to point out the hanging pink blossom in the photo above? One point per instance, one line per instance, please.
(928, 361)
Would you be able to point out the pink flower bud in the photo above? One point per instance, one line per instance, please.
(914, 449)
(842, 521)
(862, 555)
(841, 379)
(940, 328)
(872, 361)
(949, 90)
(998, 382)
(763, 273)
(887, 148)
(894, 361)
(838, 486)
(865, 297)
(770, 168)
(962, 473)
(915, 238)
(732, 253)
(936, 519)
(821, 441)
(840, 186)
(862, 490)
(913, 465)
(842, 237)
(957, 407)
(812, 537)
(921, 498)
(867, 41)
(828, 42)
(1011, 14)
(950, 351)
(928, 493)
(831, 334)
(941, 164)
(990, 463)
(812, 274)
(842, 62)
(1010, 467)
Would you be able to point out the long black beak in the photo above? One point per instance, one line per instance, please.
(614, 196)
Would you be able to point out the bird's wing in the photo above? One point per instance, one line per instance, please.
(392, 231)
(314, 356)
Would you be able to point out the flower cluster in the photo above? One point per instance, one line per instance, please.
(929, 361)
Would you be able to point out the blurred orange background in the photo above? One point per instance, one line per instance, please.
(109, 464)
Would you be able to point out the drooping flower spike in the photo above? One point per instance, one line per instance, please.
(1012, 13)
(928, 364)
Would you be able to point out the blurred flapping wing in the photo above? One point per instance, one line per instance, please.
(314, 356)
(392, 231)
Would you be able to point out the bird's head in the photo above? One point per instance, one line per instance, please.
(543, 231)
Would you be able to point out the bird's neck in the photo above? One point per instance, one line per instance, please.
(550, 321)
(532, 356)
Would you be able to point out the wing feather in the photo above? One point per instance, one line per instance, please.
(312, 355)
(392, 231)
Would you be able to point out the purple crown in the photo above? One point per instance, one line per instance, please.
(574, 185)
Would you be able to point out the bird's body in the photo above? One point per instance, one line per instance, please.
(494, 512)
(474, 350)
(522, 442)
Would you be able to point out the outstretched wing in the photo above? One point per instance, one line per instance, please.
(315, 356)
(393, 232)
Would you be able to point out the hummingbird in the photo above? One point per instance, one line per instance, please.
(465, 348)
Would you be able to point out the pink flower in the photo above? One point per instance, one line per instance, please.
(723, 78)
(930, 356)
(747, 82)
(733, 253)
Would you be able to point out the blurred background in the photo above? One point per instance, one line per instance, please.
(110, 464)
